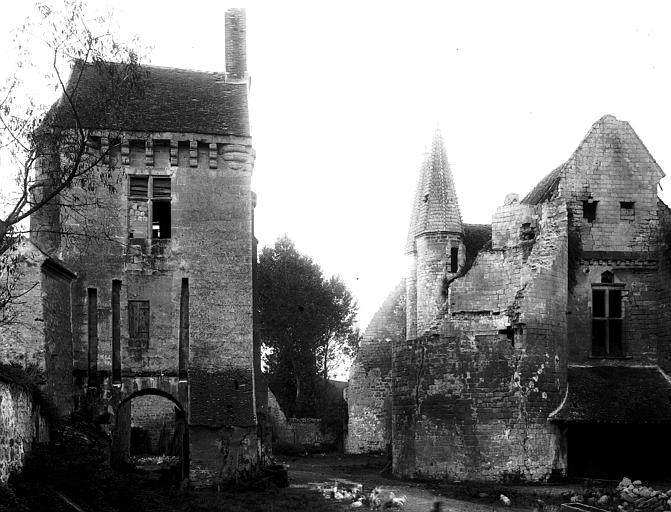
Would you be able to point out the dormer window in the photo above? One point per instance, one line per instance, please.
(627, 212)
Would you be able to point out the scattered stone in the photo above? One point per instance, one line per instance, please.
(604, 500)
(637, 482)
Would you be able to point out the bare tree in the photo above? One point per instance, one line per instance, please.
(63, 159)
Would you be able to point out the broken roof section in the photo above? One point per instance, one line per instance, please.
(435, 208)
(163, 100)
(616, 394)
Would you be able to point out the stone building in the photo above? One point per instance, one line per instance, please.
(162, 303)
(540, 348)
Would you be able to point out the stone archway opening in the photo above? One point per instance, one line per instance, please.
(151, 434)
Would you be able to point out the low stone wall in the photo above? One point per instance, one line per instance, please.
(298, 432)
(21, 424)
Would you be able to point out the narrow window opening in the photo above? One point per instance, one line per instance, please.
(426, 198)
(160, 213)
(607, 321)
(116, 331)
(454, 259)
(589, 209)
(138, 324)
(160, 220)
(184, 330)
(236, 385)
(627, 211)
(93, 337)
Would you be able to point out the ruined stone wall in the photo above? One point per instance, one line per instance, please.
(21, 424)
(471, 398)
(295, 432)
(22, 339)
(369, 389)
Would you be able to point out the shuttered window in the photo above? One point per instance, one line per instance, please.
(138, 323)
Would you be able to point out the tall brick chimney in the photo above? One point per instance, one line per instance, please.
(236, 47)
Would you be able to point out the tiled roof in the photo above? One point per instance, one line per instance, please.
(616, 394)
(435, 208)
(167, 100)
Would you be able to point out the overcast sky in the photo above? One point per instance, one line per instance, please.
(346, 96)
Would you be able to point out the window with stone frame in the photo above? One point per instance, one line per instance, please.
(607, 318)
(149, 207)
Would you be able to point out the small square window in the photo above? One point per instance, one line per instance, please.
(139, 186)
(627, 211)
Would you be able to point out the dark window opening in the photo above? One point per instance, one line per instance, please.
(454, 259)
(426, 198)
(607, 277)
(236, 384)
(527, 232)
(509, 332)
(589, 209)
(607, 322)
(160, 219)
(138, 323)
(139, 186)
(627, 211)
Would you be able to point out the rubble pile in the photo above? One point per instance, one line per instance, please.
(635, 496)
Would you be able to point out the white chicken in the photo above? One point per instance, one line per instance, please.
(505, 500)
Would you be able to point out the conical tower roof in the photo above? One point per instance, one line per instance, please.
(435, 208)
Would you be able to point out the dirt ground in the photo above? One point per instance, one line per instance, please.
(315, 471)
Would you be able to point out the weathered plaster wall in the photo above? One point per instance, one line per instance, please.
(21, 424)
(369, 390)
(470, 403)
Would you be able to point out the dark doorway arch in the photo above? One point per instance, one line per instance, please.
(154, 437)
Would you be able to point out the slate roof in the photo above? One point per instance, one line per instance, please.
(435, 208)
(166, 100)
(616, 394)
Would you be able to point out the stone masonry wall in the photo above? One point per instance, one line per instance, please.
(210, 244)
(154, 414)
(369, 389)
(296, 432)
(21, 424)
(22, 339)
(471, 398)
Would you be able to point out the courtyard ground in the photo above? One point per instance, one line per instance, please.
(313, 472)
